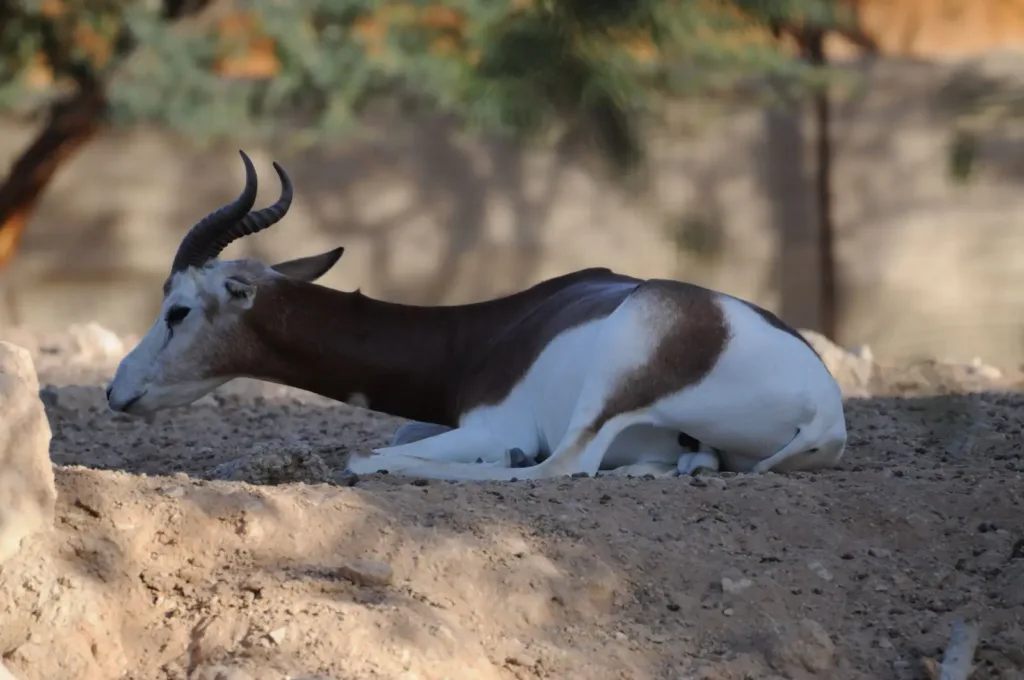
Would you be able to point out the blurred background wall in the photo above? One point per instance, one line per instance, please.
(430, 215)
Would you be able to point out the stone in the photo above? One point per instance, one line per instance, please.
(27, 491)
(804, 647)
(278, 635)
(269, 464)
(978, 367)
(735, 585)
(219, 672)
(820, 571)
(367, 572)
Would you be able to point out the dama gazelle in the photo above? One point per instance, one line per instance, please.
(584, 372)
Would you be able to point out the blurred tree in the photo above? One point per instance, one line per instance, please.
(809, 23)
(216, 69)
(56, 58)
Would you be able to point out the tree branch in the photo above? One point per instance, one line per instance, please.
(73, 121)
(59, 56)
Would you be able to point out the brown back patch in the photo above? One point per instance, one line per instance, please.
(516, 340)
(694, 336)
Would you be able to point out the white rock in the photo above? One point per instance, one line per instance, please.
(27, 492)
(986, 371)
(864, 352)
(278, 635)
(734, 586)
(853, 371)
(820, 571)
(93, 342)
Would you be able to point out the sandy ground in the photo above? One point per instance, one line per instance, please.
(224, 534)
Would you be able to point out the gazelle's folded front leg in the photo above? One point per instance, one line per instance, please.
(414, 431)
(459, 445)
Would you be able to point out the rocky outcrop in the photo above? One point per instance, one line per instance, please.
(27, 493)
(852, 370)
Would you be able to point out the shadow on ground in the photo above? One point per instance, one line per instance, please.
(853, 573)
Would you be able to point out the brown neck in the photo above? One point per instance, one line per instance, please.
(423, 363)
(400, 358)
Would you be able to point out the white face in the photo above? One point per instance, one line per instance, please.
(184, 354)
(196, 343)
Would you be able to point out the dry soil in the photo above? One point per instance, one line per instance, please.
(221, 538)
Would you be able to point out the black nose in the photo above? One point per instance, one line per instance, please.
(124, 407)
(108, 393)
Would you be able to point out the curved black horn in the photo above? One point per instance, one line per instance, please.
(196, 248)
(257, 220)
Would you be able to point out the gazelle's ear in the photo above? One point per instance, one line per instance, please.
(240, 292)
(310, 268)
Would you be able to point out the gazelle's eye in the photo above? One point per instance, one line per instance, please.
(176, 315)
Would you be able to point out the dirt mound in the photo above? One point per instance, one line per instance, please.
(219, 541)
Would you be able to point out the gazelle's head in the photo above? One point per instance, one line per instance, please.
(201, 339)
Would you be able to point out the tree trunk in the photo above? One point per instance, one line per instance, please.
(72, 123)
(811, 40)
(814, 48)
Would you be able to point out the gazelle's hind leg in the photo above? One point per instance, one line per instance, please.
(692, 463)
(781, 432)
(642, 451)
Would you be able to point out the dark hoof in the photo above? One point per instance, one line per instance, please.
(346, 478)
(518, 459)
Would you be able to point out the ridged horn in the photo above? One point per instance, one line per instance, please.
(196, 248)
(255, 221)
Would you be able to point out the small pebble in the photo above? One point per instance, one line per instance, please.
(278, 635)
(367, 572)
(820, 571)
(735, 586)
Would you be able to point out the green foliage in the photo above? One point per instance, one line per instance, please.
(962, 156)
(597, 66)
